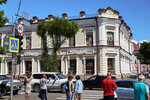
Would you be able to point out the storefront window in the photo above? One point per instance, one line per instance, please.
(110, 38)
(72, 68)
(9, 67)
(28, 66)
(89, 66)
(111, 65)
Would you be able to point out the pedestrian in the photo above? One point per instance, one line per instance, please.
(141, 90)
(78, 89)
(69, 88)
(43, 85)
(109, 85)
(28, 80)
(70, 74)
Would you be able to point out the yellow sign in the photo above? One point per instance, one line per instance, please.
(13, 45)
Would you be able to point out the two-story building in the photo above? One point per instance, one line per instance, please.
(103, 39)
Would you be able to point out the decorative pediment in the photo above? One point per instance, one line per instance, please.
(109, 12)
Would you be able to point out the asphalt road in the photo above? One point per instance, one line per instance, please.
(95, 94)
(87, 95)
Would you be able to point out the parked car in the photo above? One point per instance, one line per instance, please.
(125, 89)
(6, 87)
(0, 92)
(57, 80)
(94, 82)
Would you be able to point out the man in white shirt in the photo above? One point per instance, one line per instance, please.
(43, 84)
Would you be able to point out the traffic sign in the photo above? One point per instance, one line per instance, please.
(20, 29)
(26, 18)
(13, 45)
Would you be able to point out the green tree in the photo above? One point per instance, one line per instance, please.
(3, 20)
(144, 53)
(59, 30)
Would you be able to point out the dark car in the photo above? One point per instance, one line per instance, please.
(6, 87)
(126, 89)
(94, 82)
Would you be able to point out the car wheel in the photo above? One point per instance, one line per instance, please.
(37, 88)
(3, 91)
(15, 92)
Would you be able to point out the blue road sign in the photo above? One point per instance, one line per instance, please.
(13, 45)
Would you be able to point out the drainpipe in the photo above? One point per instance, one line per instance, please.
(97, 46)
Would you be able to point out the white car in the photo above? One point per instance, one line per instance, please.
(57, 80)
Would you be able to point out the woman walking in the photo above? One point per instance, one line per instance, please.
(69, 88)
(28, 80)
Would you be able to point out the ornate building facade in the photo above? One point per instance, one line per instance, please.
(104, 40)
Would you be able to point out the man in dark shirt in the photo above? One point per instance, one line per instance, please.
(109, 86)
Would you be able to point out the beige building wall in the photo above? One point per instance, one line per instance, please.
(117, 63)
(80, 37)
(65, 44)
(49, 41)
(80, 66)
(35, 40)
(2, 68)
(34, 65)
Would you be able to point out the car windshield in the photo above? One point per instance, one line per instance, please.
(60, 76)
(3, 77)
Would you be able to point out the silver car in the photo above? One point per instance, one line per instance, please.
(57, 80)
(125, 89)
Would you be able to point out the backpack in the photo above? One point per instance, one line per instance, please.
(64, 86)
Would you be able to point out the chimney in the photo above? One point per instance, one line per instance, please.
(20, 20)
(50, 17)
(35, 19)
(46, 19)
(82, 14)
(64, 16)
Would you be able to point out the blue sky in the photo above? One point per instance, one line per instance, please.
(136, 13)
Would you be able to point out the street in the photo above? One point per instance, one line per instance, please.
(95, 94)
(87, 95)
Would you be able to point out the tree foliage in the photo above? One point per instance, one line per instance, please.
(3, 1)
(59, 30)
(3, 20)
(144, 53)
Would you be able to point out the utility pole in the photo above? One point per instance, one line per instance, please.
(13, 62)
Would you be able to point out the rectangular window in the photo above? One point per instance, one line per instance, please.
(111, 65)
(28, 43)
(89, 38)
(110, 38)
(72, 42)
(72, 68)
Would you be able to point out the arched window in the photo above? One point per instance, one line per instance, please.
(110, 38)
